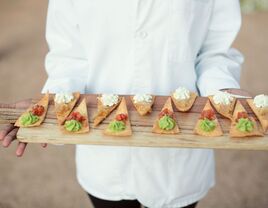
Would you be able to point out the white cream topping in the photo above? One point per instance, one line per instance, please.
(109, 99)
(223, 98)
(181, 93)
(63, 97)
(142, 98)
(261, 101)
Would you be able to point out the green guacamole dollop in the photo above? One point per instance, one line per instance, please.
(116, 126)
(29, 119)
(166, 123)
(72, 125)
(244, 125)
(207, 125)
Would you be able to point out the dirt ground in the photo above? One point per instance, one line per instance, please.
(46, 178)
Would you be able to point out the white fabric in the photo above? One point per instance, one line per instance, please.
(143, 46)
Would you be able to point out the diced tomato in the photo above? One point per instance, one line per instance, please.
(76, 116)
(242, 115)
(38, 110)
(121, 117)
(166, 112)
(208, 114)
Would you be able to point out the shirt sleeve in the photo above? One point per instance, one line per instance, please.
(66, 63)
(218, 66)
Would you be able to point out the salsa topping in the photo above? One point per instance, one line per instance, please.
(207, 125)
(76, 116)
(29, 119)
(242, 115)
(261, 101)
(116, 126)
(166, 123)
(63, 98)
(38, 110)
(245, 125)
(139, 98)
(208, 114)
(72, 125)
(166, 112)
(223, 98)
(121, 117)
(182, 93)
(109, 99)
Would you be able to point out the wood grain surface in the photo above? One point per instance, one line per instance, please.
(49, 132)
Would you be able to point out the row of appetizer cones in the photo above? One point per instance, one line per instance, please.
(75, 119)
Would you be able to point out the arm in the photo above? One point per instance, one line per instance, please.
(218, 66)
(66, 62)
(8, 133)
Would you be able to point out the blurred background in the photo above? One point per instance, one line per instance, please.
(46, 178)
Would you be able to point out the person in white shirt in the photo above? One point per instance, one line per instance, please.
(141, 46)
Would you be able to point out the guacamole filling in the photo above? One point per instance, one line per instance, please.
(166, 123)
(244, 125)
(116, 126)
(207, 125)
(29, 119)
(72, 125)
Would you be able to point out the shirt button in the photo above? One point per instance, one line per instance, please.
(143, 34)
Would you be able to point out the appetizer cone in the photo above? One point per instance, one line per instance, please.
(242, 124)
(77, 121)
(143, 108)
(208, 124)
(34, 115)
(261, 113)
(120, 126)
(184, 105)
(63, 110)
(169, 125)
(103, 111)
(225, 110)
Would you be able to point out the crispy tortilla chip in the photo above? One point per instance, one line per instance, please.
(225, 110)
(158, 130)
(234, 132)
(216, 132)
(103, 111)
(184, 105)
(44, 102)
(82, 109)
(143, 108)
(262, 114)
(122, 109)
(63, 110)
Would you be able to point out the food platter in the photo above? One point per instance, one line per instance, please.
(49, 131)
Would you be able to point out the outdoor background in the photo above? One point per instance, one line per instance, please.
(46, 178)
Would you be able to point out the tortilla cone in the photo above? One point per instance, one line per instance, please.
(122, 108)
(44, 102)
(143, 108)
(225, 110)
(234, 132)
(184, 105)
(103, 111)
(82, 109)
(262, 114)
(63, 110)
(158, 130)
(216, 132)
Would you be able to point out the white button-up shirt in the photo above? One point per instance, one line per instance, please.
(143, 46)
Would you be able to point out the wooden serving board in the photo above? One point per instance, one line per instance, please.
(142, 136)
